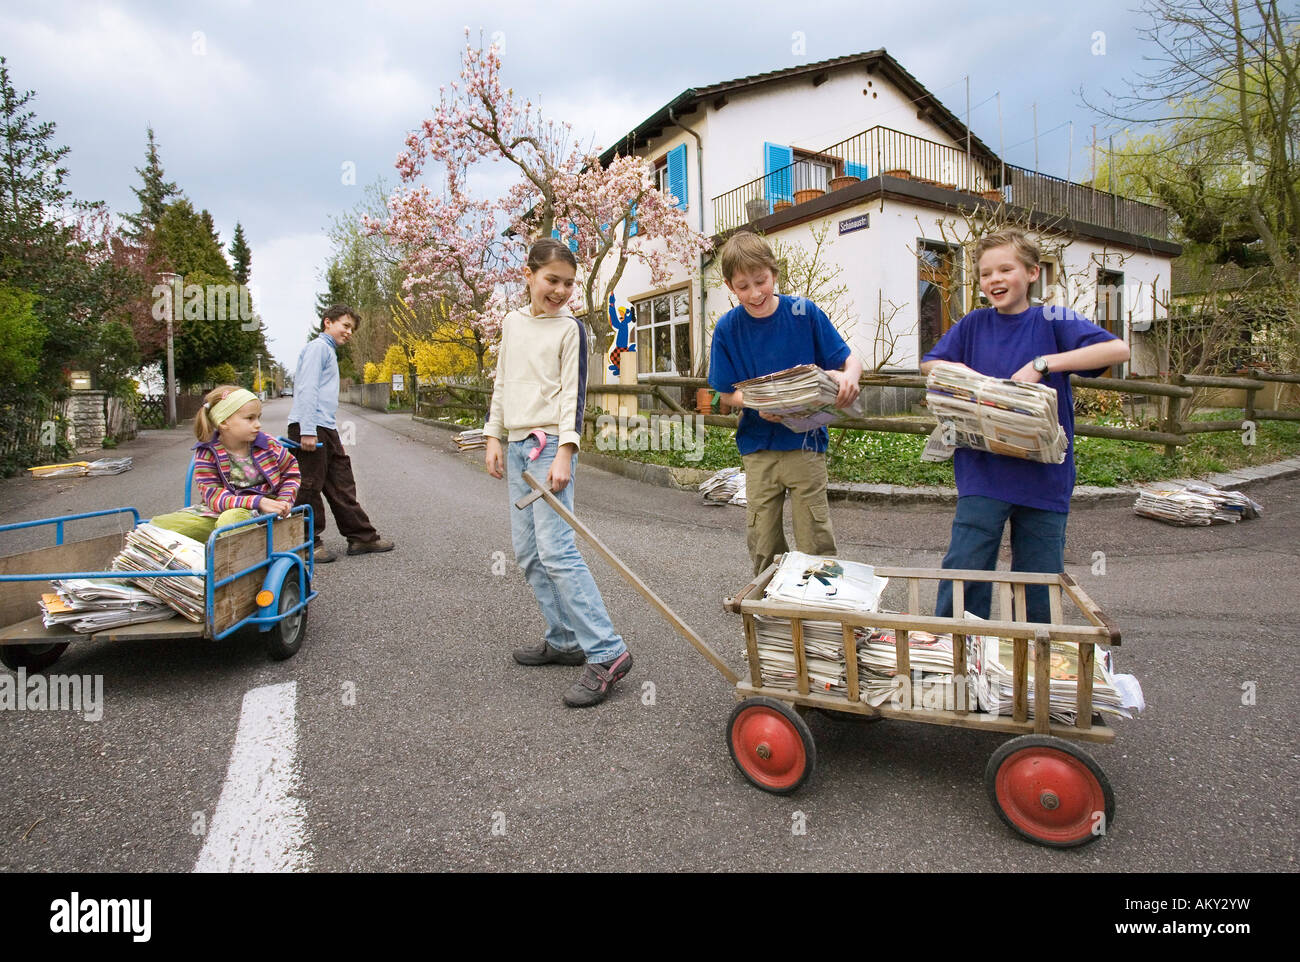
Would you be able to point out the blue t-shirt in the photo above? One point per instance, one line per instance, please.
(999, 345)
(744, 347)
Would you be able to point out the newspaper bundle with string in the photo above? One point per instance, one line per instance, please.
(470, 440)
(724, 487)
(1194, 503)
(812, 581)
(991, 414)
(93, 604)
(150, 548)
(802, 397)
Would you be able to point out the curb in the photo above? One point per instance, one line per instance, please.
(688, 479)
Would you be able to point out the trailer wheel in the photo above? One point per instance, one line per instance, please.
(1050, 791)
(771, 744)
(285, 637)
(31, 657)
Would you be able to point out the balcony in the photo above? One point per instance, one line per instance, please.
(893, 153)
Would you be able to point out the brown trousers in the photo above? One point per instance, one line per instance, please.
(768, 476)
(328, 471)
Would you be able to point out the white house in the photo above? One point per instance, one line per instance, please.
(856, 146)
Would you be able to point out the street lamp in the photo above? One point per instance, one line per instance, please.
(170, 385)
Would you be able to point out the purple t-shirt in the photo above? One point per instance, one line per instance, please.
(744, 347)
(999, 345)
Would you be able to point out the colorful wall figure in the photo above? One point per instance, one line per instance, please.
(623, 321)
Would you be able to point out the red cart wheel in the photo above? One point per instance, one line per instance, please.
(771, 744)
(1050, 791)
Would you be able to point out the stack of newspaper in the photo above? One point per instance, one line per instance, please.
(1112, 694)
(928, 654)
(93, 604)
(725, 487)
(1194, 503)
(109, 466)
(831, 584)
(471, 439)
(990, 414)
(802, 397)
(150, 548)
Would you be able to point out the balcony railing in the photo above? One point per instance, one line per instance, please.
(894, 153)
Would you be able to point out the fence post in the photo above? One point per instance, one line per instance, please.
(1171, 425)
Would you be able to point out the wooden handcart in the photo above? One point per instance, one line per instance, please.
(1040, 783)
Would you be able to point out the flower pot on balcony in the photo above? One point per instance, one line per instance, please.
(992, 194)
(839, 183)
(754, 209)
(781, 205)
(900, 172)
(948, 186)
(803, 196)
(926, 180)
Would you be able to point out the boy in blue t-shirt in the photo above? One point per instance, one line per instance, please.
(769, 333)
(1023, 343)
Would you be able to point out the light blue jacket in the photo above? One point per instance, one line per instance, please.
(316, 386)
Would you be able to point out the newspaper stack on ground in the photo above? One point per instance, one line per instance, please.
(93, 604)
(109, 466)
(811, 581)
(1194, 503)
(150, 548)
(990, 414)
(1112, 694)
(725, 487)
(802, 397)
(471, 439)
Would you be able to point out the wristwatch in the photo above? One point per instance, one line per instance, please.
(1040, 364)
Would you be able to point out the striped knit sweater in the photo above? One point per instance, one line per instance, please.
(212, 468)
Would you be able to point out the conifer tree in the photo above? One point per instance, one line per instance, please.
(152, 194)
(241, 254)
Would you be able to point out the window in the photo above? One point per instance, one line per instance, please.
(938, 290)
(1043, 290)
(1110, 307)
(663, 333)
(661, 174)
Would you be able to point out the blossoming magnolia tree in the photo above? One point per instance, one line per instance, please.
(612, 214)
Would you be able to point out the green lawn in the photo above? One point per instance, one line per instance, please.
(875, 457)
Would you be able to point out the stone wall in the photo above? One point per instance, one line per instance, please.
(86, 412)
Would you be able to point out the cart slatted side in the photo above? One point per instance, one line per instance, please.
(19, 600)
(238, 550)
(1010, 589)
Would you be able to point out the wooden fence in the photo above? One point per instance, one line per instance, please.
(1172, 392)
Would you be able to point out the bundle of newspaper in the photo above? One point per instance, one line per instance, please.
(830, 584)
(1112, 694)
(990, 414)
(802, 397)
(109, 466)
(471, 439)
(928, 654)
(724, 487)
(150, 548)
(93, 604)
(1194, 503)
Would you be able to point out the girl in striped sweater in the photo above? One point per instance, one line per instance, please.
(239, 470)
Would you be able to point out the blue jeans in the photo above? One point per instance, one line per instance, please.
(548, 555)
(1037, 544)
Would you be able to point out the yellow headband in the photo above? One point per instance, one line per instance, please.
(229, 404)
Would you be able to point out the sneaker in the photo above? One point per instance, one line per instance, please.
(322, 555)
(547, 654)
(366, 547)
(597, 679)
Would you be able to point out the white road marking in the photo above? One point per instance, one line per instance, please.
(260, 824)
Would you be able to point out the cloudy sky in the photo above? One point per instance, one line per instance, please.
(257, 106)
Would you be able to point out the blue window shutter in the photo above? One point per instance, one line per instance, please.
(555, 233)
(777, 185)
(856, 170)
(573, 238)
(631, 231)
(677, 185)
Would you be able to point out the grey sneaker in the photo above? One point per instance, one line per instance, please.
(547, 654)
(369, 547)
(596, 681)
(322, 555)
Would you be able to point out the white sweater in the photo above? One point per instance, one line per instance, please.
(540, 377)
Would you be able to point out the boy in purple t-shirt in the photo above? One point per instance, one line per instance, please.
(1023, 343)
(769, 333)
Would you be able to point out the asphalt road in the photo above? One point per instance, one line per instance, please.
(421, 746)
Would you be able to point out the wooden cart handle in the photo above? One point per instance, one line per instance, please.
(672, 617)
